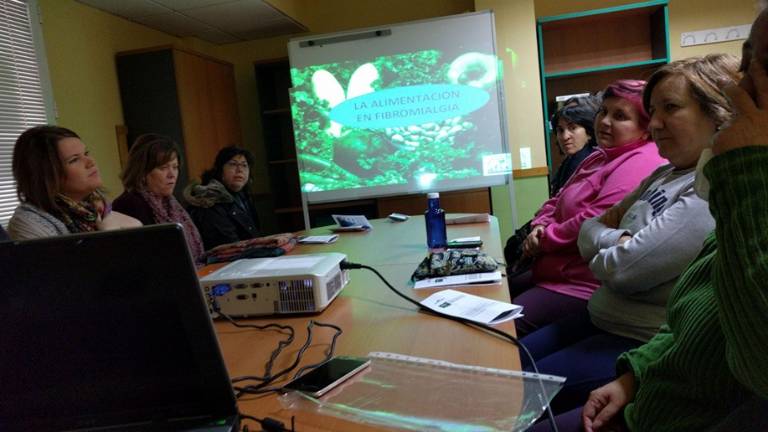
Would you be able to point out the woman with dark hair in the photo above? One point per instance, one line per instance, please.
(220, 206)
(575, 128)
(149, 178)
(574, 125)
(58, 182)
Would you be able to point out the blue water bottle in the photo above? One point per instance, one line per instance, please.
(435, 218)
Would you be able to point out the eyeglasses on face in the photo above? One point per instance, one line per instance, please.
(235, 165)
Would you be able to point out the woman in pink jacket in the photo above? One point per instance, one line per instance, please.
(562, 280)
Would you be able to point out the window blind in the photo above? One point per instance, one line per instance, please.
(22, 103)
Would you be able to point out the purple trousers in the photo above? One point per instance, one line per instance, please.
(542, 307)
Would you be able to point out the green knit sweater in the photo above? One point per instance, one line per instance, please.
(713, 353)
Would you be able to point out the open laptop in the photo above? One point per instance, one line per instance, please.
(108, 331)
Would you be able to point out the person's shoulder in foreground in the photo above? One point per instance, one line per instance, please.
(29, 222)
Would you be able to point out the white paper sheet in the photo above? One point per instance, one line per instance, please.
(471, 307)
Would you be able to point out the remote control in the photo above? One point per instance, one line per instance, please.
(398, 217)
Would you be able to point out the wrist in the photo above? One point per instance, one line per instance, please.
(627, 382)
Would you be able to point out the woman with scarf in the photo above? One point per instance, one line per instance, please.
(58, 185)
(149, 178)
(220, 206)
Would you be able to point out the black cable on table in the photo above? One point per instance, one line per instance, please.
(349, 265)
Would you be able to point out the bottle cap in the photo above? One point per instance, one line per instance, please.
(433, 195)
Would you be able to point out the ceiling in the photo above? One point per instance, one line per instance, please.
(215, 21)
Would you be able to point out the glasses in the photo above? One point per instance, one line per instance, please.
(235, 165)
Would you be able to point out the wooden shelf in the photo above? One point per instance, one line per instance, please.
(276, 111)
(583, 52)
(631, 65)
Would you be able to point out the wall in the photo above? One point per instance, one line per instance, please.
(80, 44)
(517, 46)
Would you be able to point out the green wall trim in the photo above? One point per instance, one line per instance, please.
(603, 11)
(543, 83)
(573, 72)
(666, 26)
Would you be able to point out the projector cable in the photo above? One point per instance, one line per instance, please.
(268, 377)
(262, 387)
(282, 344)
(346, 265)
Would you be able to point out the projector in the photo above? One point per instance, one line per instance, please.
(287, 284)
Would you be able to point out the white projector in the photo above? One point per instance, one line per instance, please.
(284, 285)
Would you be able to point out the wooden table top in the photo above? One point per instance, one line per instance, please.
(372, 317)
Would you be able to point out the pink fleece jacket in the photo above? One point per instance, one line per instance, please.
(600, 181)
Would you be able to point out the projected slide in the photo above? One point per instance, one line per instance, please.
(423, 120)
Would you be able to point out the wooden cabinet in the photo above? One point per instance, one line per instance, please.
(273, 82)
(187, 96)
(583, 52)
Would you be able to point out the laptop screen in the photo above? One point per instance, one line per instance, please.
(104, 329)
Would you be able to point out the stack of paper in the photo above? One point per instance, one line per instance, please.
(465, 279)
(319, 239)
(351, 223)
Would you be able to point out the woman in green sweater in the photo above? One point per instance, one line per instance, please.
(707, 369)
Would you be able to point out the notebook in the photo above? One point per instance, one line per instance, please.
(108, 331)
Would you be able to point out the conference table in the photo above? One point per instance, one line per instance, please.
(372, 317)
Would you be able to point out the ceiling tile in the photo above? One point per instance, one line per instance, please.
(128, 9)
(269, 29)
(218, 37)
(174, 23)
(181, 5)
(217, 21)
(238, 16)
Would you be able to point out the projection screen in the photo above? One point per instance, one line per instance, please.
(399, 109)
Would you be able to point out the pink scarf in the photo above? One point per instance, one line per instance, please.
(166, 209)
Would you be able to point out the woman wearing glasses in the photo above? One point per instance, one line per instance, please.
(221, 206)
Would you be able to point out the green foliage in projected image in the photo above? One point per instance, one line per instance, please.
(335, 156)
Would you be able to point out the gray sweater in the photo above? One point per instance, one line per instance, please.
(30, 222)
(668, 224)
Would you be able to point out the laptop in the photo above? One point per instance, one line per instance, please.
(108, 331)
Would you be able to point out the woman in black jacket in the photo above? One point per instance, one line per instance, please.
(575, 130)
(220, 206)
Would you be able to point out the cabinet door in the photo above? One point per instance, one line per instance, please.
(223, 97)
(195, 106)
